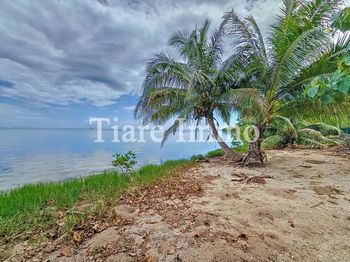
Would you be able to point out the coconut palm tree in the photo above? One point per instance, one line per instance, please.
(191, 88)
(285, 132)
(272, 73)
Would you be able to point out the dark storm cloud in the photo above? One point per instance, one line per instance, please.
(90, 51)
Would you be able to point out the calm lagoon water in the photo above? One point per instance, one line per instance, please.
(30, 156)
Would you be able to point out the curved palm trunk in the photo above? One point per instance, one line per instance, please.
(228, 151)
(255, 156)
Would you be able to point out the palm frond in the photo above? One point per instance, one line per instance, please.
(215, 48)
(179, 40)
(323, 68)
(158, 104)
(186, 45)
(312, 136)
(248, 41)
(174, 127)
(249, 102)
(310, 143)
(242, 36)
(315, 110)
(290, 129)
(318, 12)
(171, 130)
(224, 111)
(284, 31)
(301, 53)
(271, 141)
(259, 38)
(325, 129)
(164, 71)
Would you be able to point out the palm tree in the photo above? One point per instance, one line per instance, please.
(283, 132)
(272, 73)
(191, 88)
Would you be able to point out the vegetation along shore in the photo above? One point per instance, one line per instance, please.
(281, 195)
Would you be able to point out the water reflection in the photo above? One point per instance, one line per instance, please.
(32, 156)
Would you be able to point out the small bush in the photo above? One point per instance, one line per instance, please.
(125, 163)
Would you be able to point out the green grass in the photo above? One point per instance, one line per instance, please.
(37, 206)
(242, 149)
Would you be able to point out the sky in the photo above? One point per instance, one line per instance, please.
(63, 62)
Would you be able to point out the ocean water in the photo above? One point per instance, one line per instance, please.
(30, 156)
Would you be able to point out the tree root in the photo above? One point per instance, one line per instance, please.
(254, 159)
(242, 178)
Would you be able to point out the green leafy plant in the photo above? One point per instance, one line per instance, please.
(334, 88)
(341, 20)
(272, 73)
(288, 132)
(125, 162)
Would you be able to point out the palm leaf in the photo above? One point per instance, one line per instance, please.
(301, 53)
(325, 129)
(310, 135)
(315, 110)
(271, 141)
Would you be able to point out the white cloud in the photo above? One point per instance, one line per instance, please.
(64, 52)
(129, 108)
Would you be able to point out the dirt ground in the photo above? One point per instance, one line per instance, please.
(297, 208)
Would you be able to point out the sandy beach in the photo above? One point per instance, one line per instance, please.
(294, 209)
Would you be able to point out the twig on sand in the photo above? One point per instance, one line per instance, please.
(317, 205)
(290, 221)
(241, 177)
(255, 179)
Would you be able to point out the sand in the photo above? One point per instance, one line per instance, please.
(298, 211)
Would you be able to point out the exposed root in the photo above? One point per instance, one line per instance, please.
(254, 159)
(255, 156)
(233, 158)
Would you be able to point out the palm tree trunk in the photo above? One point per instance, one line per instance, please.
(228, 151)
(255, 156)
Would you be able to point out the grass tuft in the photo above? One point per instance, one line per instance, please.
(242, 149)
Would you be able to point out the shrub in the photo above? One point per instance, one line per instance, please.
(125, 163)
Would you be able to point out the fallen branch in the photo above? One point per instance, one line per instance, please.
(255, 179)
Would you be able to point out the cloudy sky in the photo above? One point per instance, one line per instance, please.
(63, 61)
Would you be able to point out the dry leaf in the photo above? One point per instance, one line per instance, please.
(290, 222)
(61, 214)
(66, 252)
(76, 237)
(242, 246)
(149, 258)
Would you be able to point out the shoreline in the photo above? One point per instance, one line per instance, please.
(216, 152)
(21, 209)
(34, 206)
(211, 210)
